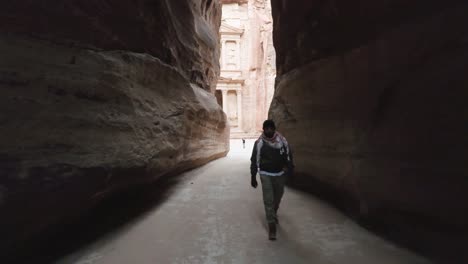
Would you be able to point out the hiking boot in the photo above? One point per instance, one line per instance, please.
(272, 231)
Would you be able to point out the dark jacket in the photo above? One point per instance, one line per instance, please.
(272, 159)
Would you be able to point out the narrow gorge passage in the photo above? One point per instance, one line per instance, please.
(100, 97)
(212, 215)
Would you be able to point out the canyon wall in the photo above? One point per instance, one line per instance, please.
(372, 97)
(99, 96)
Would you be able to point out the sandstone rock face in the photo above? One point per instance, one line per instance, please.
(97, 97)
(180, 33)
(371, 95)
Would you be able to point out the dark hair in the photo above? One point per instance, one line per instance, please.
(269, 123)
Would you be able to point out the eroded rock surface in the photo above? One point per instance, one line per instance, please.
(99, 96)
(371, 95)
(179, 33)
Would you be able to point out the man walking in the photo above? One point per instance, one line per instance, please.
(272, 159)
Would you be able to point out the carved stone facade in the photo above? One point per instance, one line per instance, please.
(246, 85)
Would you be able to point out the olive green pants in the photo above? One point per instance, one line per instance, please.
(273, 190)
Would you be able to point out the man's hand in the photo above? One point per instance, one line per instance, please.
(253, 182)
(290, 175)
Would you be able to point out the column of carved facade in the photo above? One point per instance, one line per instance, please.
(225, 107)
(239, 108)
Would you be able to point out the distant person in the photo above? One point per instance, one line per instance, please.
(243, 142)
(272, 159)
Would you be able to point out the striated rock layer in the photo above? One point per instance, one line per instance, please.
(372, 97)
(97, 97)
(180, 33)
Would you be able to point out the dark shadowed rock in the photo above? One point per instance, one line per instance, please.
(371, 95)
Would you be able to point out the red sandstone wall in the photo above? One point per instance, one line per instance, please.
(372, 97)
(180, 33)
(98, 96)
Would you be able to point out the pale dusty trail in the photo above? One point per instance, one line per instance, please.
(214, 216)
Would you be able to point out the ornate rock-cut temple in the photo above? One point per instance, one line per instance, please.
(246, 85)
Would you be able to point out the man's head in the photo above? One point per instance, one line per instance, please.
(269, 128)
